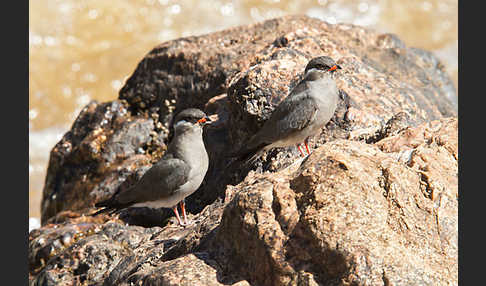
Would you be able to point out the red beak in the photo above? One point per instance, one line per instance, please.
(334, 67)
(202, 120)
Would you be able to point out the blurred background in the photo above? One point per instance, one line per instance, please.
(85, 50)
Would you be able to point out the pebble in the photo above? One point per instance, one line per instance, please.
(66, 238)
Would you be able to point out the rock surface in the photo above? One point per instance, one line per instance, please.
(351, 214)
(374, 204)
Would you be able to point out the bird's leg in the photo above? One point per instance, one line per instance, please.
(306, 141)
(177, 215)
(301, 152)
(183, 208)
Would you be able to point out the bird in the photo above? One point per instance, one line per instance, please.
(178, 174)
(302, 114)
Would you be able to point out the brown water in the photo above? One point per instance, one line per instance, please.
(84, 50)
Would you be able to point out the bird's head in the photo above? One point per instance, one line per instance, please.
(190, 119)
(323, 64)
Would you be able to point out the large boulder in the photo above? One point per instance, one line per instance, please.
(255, 66)
(374, 204)
(351, 214)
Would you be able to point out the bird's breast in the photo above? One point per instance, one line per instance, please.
(325, 94)
(196, 157)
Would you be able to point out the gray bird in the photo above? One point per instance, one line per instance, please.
(175, 176)
(302, 114)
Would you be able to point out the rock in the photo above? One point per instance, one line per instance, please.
(96, 156)
(111, 253)
(381, 76)
(374, 204)
(352, 214)
(256, 66)
(192, 269)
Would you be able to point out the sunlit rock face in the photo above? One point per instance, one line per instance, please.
(374, 204)
(84, 50)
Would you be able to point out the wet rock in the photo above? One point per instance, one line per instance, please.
(124, 142)
(99, 152)
(374, 204)
(95, 250)
(110, 252)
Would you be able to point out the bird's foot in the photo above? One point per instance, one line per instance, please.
(188, 222)
(306, 143)
(174, 225)
(182, 223)
(301, 152)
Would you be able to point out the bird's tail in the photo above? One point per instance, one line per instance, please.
(109, 205)
(250, 158)
(104, 210)
(248, 155)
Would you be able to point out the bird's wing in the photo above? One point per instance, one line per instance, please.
(160, 181)
(294, 113)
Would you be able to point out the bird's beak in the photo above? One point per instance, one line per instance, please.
(205, 120)
(334, 67)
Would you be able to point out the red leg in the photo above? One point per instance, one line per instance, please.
(177, 214)
(306, 146)
(183, 208)
(301, 152)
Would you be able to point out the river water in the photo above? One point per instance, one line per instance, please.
(85, 50)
